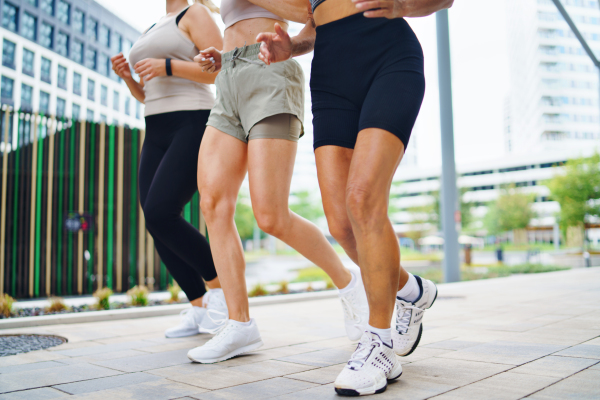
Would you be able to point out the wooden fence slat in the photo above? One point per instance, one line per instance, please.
(119, 228)
(33, 206)
(4, 190)
(101, 203)
(81, 206)
(49, 209)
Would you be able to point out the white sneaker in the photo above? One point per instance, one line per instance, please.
(234, 339)
(408, 324)
(190, 318)
(356, 308)
(370, 366)
(218, 315)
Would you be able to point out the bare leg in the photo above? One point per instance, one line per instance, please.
(270, 167)
(221, 170)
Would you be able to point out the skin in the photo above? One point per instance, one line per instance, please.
(222, 166)
(355, 183)
(199, 27)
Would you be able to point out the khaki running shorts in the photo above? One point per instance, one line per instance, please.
(248, 91)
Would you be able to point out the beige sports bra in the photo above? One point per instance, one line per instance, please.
(233, 11)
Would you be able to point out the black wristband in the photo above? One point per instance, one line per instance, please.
(168, 64)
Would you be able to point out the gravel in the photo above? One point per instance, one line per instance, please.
(16, 344)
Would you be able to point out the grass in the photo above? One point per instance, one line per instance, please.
(103, 298)
(258, 290)
(311, 274)
(174, 291)
(138, 296)
(488, 272)
(6, 304)
(56, 305)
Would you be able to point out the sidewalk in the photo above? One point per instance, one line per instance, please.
(507, 338)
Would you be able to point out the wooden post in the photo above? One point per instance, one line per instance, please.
(141, 262)
(3, 207)
(120, 172)
(100, 238)
(51, 136)
(81, 208)
(33, 197)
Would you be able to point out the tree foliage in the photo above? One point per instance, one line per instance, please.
(306, 205)
(577, 190)
(512, 210)
(244, 217)
(465, 209)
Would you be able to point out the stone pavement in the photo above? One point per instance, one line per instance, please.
(534, 336)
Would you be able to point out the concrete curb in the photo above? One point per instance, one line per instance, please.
(147, 312)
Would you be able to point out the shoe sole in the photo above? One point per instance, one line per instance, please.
(195, 332)
(355, 393)
(236, 352)
(420, 330)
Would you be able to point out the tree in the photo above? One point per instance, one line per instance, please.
(244, 217)
(303, 204)
(465, 209)
(577, 190)
(511, 211)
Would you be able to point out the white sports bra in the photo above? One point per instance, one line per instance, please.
(233, 11)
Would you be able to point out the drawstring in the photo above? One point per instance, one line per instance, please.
(236, 56)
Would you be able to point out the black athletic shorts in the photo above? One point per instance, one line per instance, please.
(366, 73)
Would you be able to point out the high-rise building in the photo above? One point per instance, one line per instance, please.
(56, 60)
(554, 85)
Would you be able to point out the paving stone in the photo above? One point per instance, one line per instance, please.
(321, 375)
(181, 370)
(258, 390)
(320, 358)
(37, 394)
(107, 348)
(583, 385)
(324, 392)
(505, 386)
(30, 367)
(422, 353)
(412, 389)
(501, 352)
(450, 372)
(52, 376)
(452, 344)
(94, 385)
(161, 389)
(555, 366)
(28, 358)
(582, 350)
(113, 355)
(595, 342)
(148, 361)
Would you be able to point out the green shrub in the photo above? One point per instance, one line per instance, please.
(257, 290)
(174, 290)
(6, 304)
(283, 288)
(103, 298)
(138, 295)
(56, 305)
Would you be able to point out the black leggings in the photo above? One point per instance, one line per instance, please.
(167, 180)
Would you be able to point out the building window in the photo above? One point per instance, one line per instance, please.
(61, 77)
(47, 35)
(117, 43)
(78, 21)
(137, 110)
(127, 105)
(103, 64)
(28, 57)
(46, 70)
(47, 6)
(77, 51)
(29, 26)
(9, 16)
(90, 58)
(91, 90)
(44, 103)
(75, 112)
(90, 115)
(26, 97)
(104, 95)
(61, 107)
(6, 92)
(103, 118)
(77, 83)
(64, 12)
(62, 44)
(33, 2)
(92, 29)
(127, 45)
(116, 101)
(8, 53)
(105, 36)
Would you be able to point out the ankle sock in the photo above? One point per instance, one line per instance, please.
(384, 334)
(238, 323)
(351, 285)
(410, 291)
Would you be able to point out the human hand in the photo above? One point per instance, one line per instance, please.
(121, 66)
(382, 8)
(150, 68)
(210, 60)
(276, 46)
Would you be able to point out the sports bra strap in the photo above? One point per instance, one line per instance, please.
(181, 14)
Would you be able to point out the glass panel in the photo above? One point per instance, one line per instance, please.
(75, 112)
(26, 97)
(46, 70)
(62, 44)
(91, 90)
(78, 21)
(61, 79)
(104, 95)
(103, 64)
(92, 29)
(137, 109)
(77, 51)
(117, 43)
(127, 105)
(105, 35)
(64, 12)
(8, 54)
(47, 35)
(61, 106)
(90, 115)
(44, 102)
(76, 83)
(29, 26)
(9, 16)
(90, 58)
(28, 57)
(7, 89)
(32, 2)
(116, 101)
(48, 6)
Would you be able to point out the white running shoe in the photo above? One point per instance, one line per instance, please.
(190, 318)
(356, 308)
(370, 366)
(234, 339)
(407, 327)
(217, 315)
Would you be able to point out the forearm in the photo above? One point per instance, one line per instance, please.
(192, 71)
(305, 41)
(136, 89)
(293, 10)
(423, 8)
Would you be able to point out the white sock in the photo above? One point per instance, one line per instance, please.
(384, 334)
(350, 286)
(215, 290)
(238, 323)
(410, 291)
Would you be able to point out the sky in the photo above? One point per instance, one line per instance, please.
(478, 42)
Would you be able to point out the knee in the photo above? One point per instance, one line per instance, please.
(155, 216)
(364, 206)
(341, 230)
(270, 222)
(215, 207)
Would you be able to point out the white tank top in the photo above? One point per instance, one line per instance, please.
(170, 93)
(233, 11)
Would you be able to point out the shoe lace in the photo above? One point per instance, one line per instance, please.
(366, 345)
(349, 309)
(221, 332)
(403, 317)
(219, 322)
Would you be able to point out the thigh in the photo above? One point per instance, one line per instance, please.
(333, 167)
(270, 168)
(150, 160)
